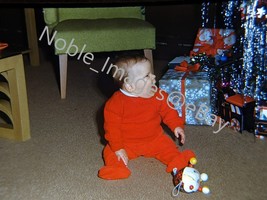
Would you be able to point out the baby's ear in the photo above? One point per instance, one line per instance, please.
(129, 87)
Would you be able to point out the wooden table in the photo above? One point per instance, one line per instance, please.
(32, 36)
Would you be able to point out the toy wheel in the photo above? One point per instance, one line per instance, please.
(223, 122)
(235, 124)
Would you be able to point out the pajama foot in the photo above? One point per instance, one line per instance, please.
(114, 173)
(181, 161)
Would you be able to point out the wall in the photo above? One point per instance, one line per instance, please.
(12, 28)
(176, 28)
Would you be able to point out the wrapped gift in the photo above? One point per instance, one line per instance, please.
(177, 60)
(213, 41)
(189, 93)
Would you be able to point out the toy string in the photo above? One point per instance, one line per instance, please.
(176, 190)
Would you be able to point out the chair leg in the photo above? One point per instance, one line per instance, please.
(63, 65)
(148, 54)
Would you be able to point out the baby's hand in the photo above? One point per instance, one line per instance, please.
(121, 154)
(179, 132)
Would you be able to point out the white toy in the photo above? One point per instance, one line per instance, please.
(188, 180)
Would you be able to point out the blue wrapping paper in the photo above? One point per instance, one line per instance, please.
(177, 60)
(196, 98)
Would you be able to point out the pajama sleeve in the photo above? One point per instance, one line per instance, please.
(112, 124)
(168, 114)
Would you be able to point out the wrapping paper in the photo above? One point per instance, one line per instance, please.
(193, 104)
(177, 60)
(213, 41)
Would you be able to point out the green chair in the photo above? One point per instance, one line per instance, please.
(81, 31)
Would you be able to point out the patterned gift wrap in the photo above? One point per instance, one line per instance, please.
(196, 98)
(213, 41)
(177, 60)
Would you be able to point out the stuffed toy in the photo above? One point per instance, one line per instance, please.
(188, 180)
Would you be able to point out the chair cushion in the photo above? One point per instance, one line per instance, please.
(101, 35)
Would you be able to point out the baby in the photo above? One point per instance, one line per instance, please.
(132, 122)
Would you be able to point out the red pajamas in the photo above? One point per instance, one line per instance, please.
(136, 128)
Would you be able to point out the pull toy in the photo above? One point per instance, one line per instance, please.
(188, 180)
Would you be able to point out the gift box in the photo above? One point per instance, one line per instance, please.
(236, 110)
(177, 61)
(213, 41)
(189, 94)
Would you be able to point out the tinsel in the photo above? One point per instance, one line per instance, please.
(254, 65)
(205, 13)
(247, 74)
(228, 13)
(249, 51)
(232, 20)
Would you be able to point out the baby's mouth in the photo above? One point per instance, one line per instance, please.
(153, 90)
(154, 87)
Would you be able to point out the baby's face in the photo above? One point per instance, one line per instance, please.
(142, 80)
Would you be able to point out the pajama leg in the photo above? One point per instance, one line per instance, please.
(181, 161)
(165, 150)
(113, 168)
